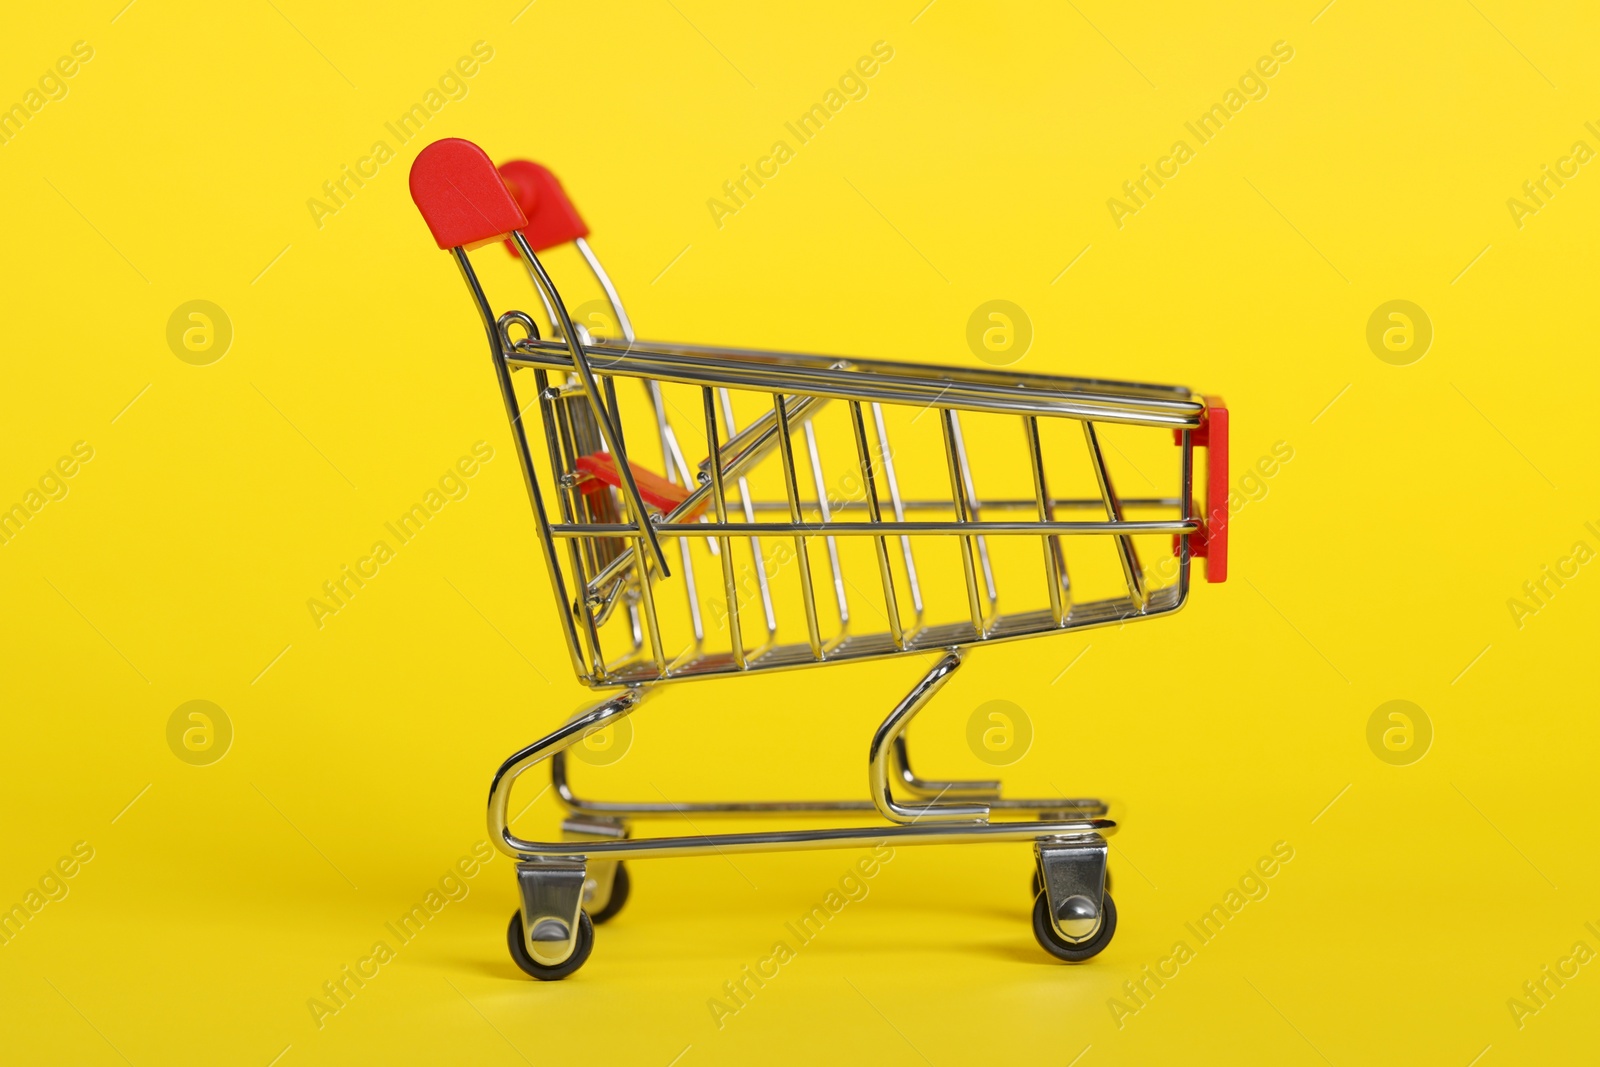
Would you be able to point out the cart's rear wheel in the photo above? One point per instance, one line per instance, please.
(619, 895)
(1073, 952)
(1038, 885)
(580, 951)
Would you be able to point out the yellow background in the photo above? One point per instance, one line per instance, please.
(1377, 567)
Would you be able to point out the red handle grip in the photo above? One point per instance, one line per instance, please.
(461, 196)
(1211, 542)
(1213, 437)
(552, 220)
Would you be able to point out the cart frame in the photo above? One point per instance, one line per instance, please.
(605, 548)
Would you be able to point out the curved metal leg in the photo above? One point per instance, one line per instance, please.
(582, 809)
(551, 881)
(883, 749)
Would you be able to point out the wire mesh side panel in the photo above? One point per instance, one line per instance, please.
(804, 530)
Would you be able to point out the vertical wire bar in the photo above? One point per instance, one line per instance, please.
(608, 384)
(899, 507)
(1187, 514)
(568, 455)
(606, 419)
(1126, 552)
(714, 446)
(558, 432)
(633, 627)
(671, 455)
(624, 324)
(874, 514)
(569, 610)
(1054, 565)
(652, 621)
(750, 516)
(792, 490)
(972, 508)
(827, 516)
(673, 463)
(692, 593)
(959, 501)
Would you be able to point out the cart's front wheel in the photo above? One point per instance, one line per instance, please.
(1062, 949)
(619, 895)
(550, 973)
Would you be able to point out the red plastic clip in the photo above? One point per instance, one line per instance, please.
(1210, 543)
(599, 469)
(461, 196)
(552, 220)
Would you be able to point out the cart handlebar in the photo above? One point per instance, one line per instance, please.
(552, 219)
(461, 196)
(1212, 544)
(466, 204)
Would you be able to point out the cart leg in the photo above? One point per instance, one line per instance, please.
(552, 900)
(600, 897)
(884, 747)
(1074, 917)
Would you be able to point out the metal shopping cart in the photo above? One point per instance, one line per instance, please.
(625, 542)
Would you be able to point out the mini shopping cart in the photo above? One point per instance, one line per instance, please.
(625, 541)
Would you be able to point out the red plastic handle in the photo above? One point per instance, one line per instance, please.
(552, 220)
(599, 469)
(1211, 542)
(1213, 437)
(461, 196)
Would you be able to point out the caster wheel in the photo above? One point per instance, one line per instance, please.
(1038, 885)
(544, 972)
(1044, 930)
(619, 895)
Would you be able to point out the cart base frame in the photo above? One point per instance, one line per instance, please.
(562, 884)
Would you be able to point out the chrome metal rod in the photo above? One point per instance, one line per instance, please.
(869, 380)
(971, 496)
(899, 506)
(1086, 503)
(652, 621)
(1127, 553)
(881, 751)
(1187, 514)
(1085, 615)
(958, 501)
(759, 559)
(1073, 807)
(624, 324)
(697, 497)
(576, 728)
(891, 603)
(530, 478)
(603, 418)
(1055, 564)
(720, 502)
(754, 441)
(802, 554)
(922, 833)
(825, 508)
(880, 529)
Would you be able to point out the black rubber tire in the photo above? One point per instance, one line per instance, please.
(620, 885)
(580, 952)
(1045, 932)
(1038, 885)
